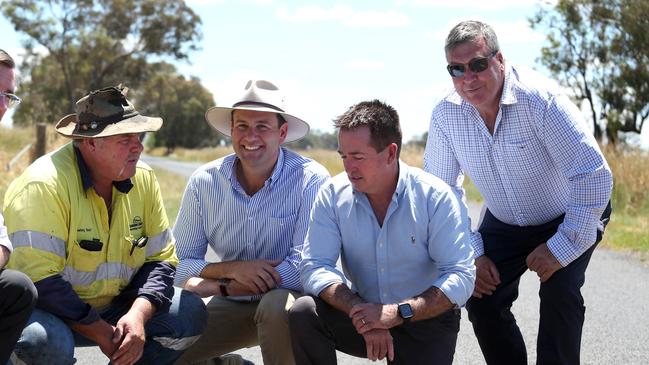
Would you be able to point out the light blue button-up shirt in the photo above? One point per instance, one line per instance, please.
(271, 224)
(540, 162)
(423, 241)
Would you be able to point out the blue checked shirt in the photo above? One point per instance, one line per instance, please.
(423, 241)
(540, 162)
(271, 224)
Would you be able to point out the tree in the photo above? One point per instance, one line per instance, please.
(600, 49)
(316, 139)
(182, 104)
(91, 44)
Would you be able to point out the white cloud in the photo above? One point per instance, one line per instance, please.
(345, 15)
(472, 5)
(375, 19)
(517, 31)
(363, 64)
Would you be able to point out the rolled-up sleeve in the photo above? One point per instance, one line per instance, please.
(289, 269)
(450, 248)
(322, 246)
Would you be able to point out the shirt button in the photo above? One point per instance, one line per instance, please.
(382, 269)
(385, 294)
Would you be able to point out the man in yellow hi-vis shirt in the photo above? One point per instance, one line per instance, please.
(89, 228)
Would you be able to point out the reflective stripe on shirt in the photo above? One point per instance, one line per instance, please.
(39, 241)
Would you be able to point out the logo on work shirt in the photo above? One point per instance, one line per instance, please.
(137, 223)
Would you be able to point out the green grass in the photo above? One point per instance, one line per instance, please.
(628, 232)
(172, 187)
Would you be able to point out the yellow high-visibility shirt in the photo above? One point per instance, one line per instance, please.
(50, 218)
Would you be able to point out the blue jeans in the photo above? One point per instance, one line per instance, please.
(48, 340)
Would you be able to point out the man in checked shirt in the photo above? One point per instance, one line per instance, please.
(546, 187)
(252, 207)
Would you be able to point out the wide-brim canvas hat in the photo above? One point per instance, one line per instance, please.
(106, 112)
(262, 96)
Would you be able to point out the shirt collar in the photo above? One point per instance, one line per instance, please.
(401, 184)
(123, 186)
(508, 96)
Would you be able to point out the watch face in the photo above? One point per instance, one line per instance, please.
(405, 310)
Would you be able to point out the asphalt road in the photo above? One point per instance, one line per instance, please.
(617, 309)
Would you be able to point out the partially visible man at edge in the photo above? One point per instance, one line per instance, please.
(252, 208)
(17, 292)
(546, 186)
(90, 229)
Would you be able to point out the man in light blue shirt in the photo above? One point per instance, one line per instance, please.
(545, 183)
(401, 235)
(252, 208)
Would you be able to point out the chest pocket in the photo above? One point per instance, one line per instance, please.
(84, 256)
(132, 254)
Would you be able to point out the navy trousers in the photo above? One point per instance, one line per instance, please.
(17, 300)
(562, 305)
(318, 330)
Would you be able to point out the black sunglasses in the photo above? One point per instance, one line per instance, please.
(476, 65)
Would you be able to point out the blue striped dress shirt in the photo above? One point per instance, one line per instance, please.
(540, 162)
(423, 241)
(271, 224)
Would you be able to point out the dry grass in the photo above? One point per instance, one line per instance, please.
(12, 141)
(629, 227)
(631, 179)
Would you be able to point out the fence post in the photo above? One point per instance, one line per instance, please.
(41, 139)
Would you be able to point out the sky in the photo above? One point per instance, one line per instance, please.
(326, 56)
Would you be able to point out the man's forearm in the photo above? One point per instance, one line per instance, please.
(218, 270)
(100, 332)
(431, 303)
(339, 296)
(143, 307)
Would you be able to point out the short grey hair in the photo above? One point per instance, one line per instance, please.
(6, 60)
(471, 31)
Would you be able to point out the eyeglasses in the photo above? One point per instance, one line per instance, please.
(476, 65)
(12, 100)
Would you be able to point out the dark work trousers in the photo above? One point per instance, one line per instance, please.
(562, 306)
(17, 300)
(318, 330)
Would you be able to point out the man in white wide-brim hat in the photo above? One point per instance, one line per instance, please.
(89, 228)
(252, 207)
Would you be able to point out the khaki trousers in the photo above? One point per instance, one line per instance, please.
(234, 325)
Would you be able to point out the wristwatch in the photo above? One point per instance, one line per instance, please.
(223, 287)
(405, 312)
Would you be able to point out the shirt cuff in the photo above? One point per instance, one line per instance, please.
(477, 244)
(188, 268)
(563, 249)
(289, 275)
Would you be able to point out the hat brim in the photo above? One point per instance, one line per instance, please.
(220, 118)
(136, 124)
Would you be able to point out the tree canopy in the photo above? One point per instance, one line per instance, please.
(601, 50)
(75, 46)
(182, 104)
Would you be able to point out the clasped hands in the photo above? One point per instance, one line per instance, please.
(373, 321)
